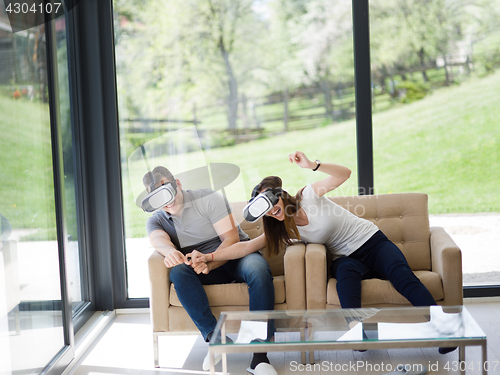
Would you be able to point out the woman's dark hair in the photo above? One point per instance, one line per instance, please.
(280, 233)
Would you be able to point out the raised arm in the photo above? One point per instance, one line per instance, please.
(160, 240)
(338, 174)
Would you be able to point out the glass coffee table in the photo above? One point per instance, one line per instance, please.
(348, 329)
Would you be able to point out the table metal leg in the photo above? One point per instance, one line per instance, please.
(311, 357)
(224, 363)
(18, 320)
(212, 363)
(155, 350)
(485, 358)
(302, 338)
(461, 359)
(309, 333)
(224, 355)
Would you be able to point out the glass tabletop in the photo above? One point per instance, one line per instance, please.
(347, 325)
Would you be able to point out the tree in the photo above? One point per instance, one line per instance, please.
(412, 34)
(201, 49)
(324, 32)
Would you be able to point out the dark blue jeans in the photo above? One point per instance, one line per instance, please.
(252, 269)
(378, 257)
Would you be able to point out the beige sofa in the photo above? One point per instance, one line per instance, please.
(300, 274)
(168, 316)
(431, 253)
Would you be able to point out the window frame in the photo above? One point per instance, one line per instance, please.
(97, 108)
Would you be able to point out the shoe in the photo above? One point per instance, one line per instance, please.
(408, 370)
(262, 369)
(206, 361)
(446, 350)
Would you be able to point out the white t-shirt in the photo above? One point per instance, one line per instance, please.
(338, 229)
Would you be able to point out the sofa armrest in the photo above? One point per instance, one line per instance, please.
(316, 276)
(159, 300)
(447, 262)
(295, 278)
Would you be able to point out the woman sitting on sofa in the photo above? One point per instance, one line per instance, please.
(358, 248)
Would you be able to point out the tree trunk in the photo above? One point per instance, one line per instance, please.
(447, 73)
(383, 76)
(232, 99)
(325, 86)
(254, 114)
(195, 120)
(421, 58)
(285, 110)
(244, 110)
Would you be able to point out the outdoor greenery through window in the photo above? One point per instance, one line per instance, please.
(259, 79)
(31, 328)
(435, 74)
(255, 79)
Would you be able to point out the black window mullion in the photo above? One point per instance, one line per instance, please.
(100, 150)
(58, 175)
(362, 73)
(66, 354)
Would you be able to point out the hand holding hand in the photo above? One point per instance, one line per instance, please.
(196, 257)
(197, 260)
(301, 160)
(174, 258)
(201, 267)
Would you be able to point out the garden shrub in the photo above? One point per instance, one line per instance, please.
(409, 91)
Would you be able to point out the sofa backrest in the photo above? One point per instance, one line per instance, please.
(403, 218)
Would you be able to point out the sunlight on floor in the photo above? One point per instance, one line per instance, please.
(181, 345)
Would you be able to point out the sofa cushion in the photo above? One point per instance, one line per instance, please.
(235, 294)
(381, 292)
(403, 218)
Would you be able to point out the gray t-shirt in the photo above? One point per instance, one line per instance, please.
(194, 229)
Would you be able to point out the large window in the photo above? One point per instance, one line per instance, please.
(76, 260)
(32, 330)
(246, 82)
(435, 72)
(42, 282)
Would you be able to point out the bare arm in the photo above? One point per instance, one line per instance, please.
(228, 233)
(160, 240)
(338, 174)
(235, 251)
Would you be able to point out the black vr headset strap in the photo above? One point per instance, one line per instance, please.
(275, 191)
(174, 186)
(152, 182)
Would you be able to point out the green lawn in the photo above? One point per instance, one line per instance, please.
(446, 145)
(27, 196)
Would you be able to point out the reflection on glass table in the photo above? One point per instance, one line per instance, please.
(351, 329)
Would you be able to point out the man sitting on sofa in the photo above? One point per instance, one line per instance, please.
(202, 220)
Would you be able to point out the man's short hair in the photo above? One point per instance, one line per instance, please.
(157, 173)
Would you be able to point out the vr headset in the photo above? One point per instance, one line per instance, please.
(260, 204)
(159, 197)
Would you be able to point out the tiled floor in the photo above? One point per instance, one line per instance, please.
(127, 348)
